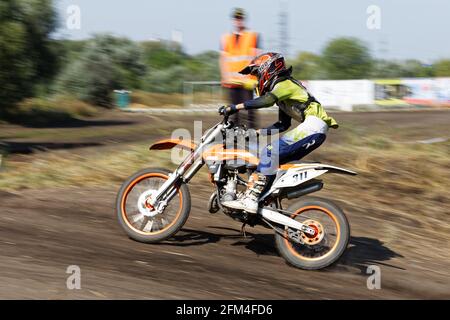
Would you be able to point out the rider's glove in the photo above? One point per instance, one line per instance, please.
(228, 110)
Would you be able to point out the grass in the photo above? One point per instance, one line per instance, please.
(48, 111)
(150, 99)
(63, 168)
(142, 99)
(417, 168)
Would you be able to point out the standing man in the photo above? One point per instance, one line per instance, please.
(238, 48)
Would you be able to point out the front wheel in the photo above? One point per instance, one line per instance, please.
(139, 219)
(332, 233)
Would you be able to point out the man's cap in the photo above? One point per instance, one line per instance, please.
(238, 13)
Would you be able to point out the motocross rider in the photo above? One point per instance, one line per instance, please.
(277, 86)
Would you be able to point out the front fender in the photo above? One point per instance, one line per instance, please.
(172, 143)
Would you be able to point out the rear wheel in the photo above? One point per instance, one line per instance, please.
(326, 245)
(139, 219)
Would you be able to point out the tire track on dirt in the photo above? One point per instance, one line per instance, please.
(42, 234)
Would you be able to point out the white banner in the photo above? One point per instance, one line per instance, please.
(427, 91)
(342, 94)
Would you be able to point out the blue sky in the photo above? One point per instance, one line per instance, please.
(417, 29)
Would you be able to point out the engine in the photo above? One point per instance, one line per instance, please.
(230, 190)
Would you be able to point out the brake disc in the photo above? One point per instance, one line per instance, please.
(318, 235)
(144, 206)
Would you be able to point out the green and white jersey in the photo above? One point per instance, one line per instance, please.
(291, 99)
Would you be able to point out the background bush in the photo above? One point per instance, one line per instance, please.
(168, 67)
(106, 63)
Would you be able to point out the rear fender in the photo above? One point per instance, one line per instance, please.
(317, 166)
(297, 174)
(172, 143)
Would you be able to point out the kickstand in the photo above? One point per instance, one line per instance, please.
(243, 230)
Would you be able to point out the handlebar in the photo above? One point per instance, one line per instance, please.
(225, 118)
(225, 121)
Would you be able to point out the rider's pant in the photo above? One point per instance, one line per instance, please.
(294, 145)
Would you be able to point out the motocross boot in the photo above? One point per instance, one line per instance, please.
(249, 202)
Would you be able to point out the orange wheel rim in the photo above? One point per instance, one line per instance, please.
(128, 190)
(289, 244)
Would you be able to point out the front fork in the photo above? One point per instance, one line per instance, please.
(187, 169)
(169, 188)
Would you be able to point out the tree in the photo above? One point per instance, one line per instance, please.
(168, 74)
(70, 50)
(415, 69)
(166, 80)
(441, 68)
(307, 66)
(159, 55)
(386, 69)
(346, 58)
(203, 66)
(107, 63)
(27, 55)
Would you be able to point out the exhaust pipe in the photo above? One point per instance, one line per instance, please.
(310, 188)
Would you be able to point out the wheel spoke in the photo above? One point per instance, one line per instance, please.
(148, 226)
(144, 223)
(136, 217)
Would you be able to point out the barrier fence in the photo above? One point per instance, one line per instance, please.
(346, 95)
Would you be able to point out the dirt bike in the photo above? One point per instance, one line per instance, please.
(154, 204)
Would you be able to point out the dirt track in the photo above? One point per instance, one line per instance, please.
(42, 232)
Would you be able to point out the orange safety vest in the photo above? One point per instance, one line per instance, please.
(236, 56)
